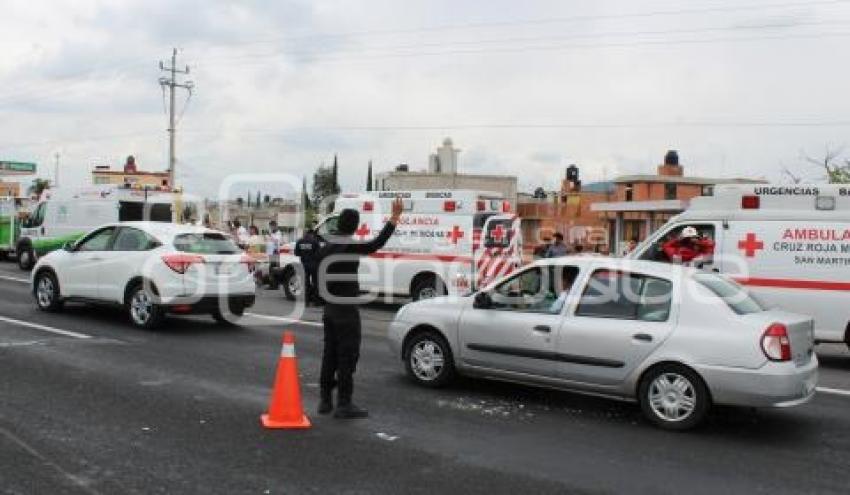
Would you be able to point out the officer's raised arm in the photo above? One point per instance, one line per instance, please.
(385, 234)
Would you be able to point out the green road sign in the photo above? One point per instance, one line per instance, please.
(16, 168)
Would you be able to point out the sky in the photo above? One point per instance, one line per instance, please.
(523, 88)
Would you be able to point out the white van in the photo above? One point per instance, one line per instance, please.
(63, 216)
(789, 243)
(447, 242)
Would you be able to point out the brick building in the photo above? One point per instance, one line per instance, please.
(129, 176)
(643, 203)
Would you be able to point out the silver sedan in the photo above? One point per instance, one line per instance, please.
(674, 339)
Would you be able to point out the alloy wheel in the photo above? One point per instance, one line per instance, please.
(141, 307)
(427, 360)
(672, 397)
(45, 292)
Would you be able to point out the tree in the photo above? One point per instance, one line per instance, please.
(324, 187)
(240, 201)
(259, 200)
(836, 170)
(369, 177)
(37, 187)
(267, 199)
(540, 193)
(336, 188)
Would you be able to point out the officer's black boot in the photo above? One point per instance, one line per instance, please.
(350, 411)
(326, 402)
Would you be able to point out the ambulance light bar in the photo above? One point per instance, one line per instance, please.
(750, 202)
(825, 203)
(480, 205)
(449, 206)
(506, 206)
(368, 206)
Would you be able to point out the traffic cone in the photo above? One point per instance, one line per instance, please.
(285, 408)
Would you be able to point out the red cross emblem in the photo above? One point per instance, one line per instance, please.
(498, 233)
(750, 245)
(455, 234)
(363, 231)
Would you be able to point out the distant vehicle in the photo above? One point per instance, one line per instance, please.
(675, 339)
(790, 244)
(152, 269)
(10, 227)
(63, 216)
(447, 242)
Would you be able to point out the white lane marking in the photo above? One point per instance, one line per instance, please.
(15, 279)
(286, 320)
(45, 328)
(834, 391)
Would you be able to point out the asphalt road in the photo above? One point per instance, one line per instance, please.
(89, 404)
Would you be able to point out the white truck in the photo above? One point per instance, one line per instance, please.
(790, 244)
(62, 216)
(447, 242)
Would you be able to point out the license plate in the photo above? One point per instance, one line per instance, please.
(223, 269)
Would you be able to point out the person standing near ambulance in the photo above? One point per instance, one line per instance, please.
(339, 287)
(689, 247)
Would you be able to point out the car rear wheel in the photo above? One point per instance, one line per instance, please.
(292, 284)
(428, 360)
(674, 397)
(47, 292)
(143, 308)
(232, 317)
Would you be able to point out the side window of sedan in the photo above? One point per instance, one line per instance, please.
(531, 290)
(129, 239)
(626, 296)
(97, 241)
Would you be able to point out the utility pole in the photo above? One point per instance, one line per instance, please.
(171, 83)
(56, 170)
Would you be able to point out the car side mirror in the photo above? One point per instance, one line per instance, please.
(482, 301)
(68, 246)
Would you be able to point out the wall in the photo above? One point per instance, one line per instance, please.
(10, 189)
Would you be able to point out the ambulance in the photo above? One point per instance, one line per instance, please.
(65, 215)
(790, 244)
(446, 242)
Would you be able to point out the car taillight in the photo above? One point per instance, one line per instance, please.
(775, 343)
(181, 262)
(249, 262)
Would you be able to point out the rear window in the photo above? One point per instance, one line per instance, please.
(735, 296)
(206, 243)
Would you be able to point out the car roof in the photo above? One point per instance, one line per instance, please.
(645, 267)
(164, 229)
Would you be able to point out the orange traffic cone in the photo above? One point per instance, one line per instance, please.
(285, 409)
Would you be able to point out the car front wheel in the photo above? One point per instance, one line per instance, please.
(428, 360)
(143, 308)
(674, 397)
(47, 292)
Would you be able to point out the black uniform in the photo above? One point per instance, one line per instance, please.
(307, 249)
(341, 318)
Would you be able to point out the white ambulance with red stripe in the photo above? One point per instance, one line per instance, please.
(789, 243)
(447, 242)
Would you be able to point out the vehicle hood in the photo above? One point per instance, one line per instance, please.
(424, 310)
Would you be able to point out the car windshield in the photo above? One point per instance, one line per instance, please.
(206, 243)
(735, 296)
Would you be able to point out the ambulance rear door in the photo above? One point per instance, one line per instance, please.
(500, 252)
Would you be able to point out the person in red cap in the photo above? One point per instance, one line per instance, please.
(689, 247)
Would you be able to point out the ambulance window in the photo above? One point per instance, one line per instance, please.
(479, 219)
(499, 233)
(656, 251)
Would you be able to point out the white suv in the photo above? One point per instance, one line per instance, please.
(150, 268)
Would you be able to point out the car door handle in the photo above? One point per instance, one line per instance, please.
(643, 337)
(543, 328)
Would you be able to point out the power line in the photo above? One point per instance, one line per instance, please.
(556, 20)
(345, 51)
